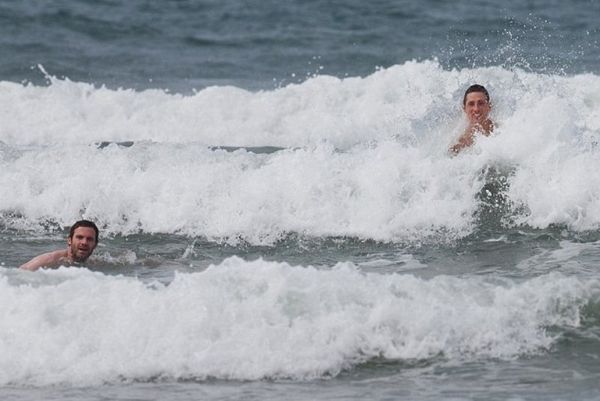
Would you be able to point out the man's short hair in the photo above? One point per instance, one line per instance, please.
(476, 88)
(83, 223)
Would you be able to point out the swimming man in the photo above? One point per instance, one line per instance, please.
(477, 107)
(82, 240)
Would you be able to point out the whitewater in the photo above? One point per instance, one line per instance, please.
(358, 157)
(255, 320)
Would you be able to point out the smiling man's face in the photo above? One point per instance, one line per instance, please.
(477, 107)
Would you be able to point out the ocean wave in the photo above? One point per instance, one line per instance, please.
(356, 157)
(255, 320)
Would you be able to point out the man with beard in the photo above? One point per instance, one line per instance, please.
(477, 107)
(82, 240)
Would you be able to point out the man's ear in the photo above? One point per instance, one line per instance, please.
(68, 241)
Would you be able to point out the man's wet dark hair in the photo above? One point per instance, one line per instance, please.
(83, 223)
(476, 88)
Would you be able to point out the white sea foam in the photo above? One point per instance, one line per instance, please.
(363, 157)
(253, 320)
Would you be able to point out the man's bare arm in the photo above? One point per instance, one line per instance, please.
(50, 259)
(464, 141)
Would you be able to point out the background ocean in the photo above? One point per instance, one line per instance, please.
(280, 218)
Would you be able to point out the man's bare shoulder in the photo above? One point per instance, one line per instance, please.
(50, 259)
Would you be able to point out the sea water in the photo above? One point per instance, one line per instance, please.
(279, 214)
